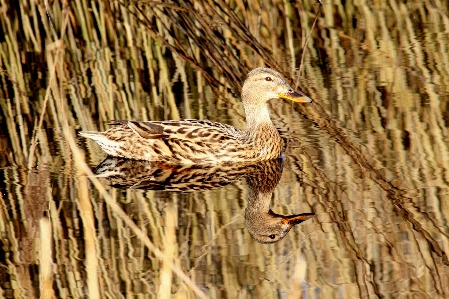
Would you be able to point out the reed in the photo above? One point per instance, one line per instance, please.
(370, 156)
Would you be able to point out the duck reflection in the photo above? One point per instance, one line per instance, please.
(263, 224)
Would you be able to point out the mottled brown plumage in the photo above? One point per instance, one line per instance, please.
(263, 224)
(203, 141)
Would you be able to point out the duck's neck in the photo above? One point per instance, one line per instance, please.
(257, 117)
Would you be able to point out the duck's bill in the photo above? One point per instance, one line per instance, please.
(297, 219)
(295, 97)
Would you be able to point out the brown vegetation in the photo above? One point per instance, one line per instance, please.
(370, 157)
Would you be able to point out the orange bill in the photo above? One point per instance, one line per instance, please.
(295, 97)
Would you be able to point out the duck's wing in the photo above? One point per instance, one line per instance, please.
(147, 130)
(183, 142)
(189, 129)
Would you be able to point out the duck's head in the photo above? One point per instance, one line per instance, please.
(273, 227)
(263, 84)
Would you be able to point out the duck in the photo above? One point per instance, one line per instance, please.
(263, 225)
(202, 141)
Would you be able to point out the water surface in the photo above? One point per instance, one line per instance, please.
(369, 157)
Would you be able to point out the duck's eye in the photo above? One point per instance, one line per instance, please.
(271, 236)
(268, 79)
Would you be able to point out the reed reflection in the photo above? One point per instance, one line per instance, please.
(264, 225)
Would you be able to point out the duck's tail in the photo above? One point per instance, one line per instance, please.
(90, 134)
(111, 147)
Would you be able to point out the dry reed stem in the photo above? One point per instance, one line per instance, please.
(45, 259)
(90, 239)
(169, 251)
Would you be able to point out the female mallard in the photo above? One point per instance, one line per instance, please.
(202, 141)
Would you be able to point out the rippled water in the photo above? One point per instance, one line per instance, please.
(369, 158)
